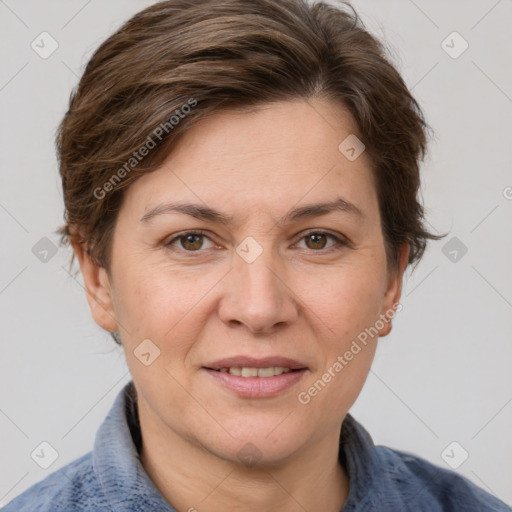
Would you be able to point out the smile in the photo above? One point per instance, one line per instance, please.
(249, 382)
(271, 371)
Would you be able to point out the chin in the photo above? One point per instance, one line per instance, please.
(261, 441)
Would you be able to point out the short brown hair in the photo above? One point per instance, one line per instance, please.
(178, 61)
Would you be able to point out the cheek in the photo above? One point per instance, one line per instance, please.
(162, 304)
(348, 305)
(346, 302)
(346, 309)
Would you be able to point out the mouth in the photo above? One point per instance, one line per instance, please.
(256, 378)
(270, 371)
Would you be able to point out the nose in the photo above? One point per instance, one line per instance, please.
(257, 295)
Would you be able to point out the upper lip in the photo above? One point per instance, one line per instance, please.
(252, 362)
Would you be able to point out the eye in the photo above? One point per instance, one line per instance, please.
(194, 241)
(190, 241)
(317, 241)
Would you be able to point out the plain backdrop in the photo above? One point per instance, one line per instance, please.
(442, 376)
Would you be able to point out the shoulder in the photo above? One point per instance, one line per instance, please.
(72, 487)
(419, 481)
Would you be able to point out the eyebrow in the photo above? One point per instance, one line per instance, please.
(209, 214)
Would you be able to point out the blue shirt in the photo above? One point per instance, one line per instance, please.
(112, 478)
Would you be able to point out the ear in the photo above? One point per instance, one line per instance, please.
(97, 286)
(393, 291)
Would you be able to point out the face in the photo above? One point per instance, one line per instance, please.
(251, 280)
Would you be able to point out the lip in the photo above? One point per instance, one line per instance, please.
(252, 362)
(256, 387)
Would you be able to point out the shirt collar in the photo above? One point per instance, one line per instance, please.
(116, 461)
(372, 477)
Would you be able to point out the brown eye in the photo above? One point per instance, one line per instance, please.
(316, 241)
(190, 242)
(319, 241)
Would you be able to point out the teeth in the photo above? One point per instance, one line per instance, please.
(249, 372)
(271, 371)
(265, 372)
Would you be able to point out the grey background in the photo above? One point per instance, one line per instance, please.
(444, 373)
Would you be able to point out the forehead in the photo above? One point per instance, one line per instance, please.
(268, 159)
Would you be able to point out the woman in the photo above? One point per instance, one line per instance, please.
(240, 183)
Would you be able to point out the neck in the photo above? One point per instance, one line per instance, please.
(193, 479)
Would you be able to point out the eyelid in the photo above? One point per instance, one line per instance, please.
(318, 231)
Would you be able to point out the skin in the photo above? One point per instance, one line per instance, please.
(302, 298)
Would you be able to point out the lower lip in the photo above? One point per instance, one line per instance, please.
(257, 387)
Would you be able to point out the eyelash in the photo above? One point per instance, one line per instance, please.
(339, 242)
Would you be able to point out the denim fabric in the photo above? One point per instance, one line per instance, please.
(111, 477)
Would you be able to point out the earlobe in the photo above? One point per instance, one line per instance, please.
(393, 292)
(98, 288)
